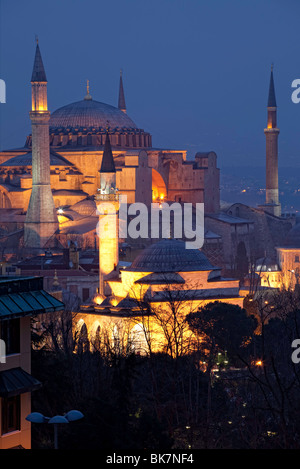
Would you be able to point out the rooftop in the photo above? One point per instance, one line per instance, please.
(170, 255)
(24, 296)
(89, 113)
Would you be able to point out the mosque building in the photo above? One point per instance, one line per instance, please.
(49, 187)
(164, 278)
(57, 171)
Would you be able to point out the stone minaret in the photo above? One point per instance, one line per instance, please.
(271, 132)
(108, 205)
(41, 220)
(121, 102)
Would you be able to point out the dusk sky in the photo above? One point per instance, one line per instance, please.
(196, 72)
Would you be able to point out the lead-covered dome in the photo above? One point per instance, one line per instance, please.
(89, 113)
(84, 124)
(170, 255)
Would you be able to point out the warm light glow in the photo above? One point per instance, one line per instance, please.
(259, 363)
(62, 219)
(162, 196)
(41, 108)
(114, 302)
(60, 211)
(98, 299)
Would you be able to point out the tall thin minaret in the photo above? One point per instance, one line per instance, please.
(271, 133)
(121, 102)
(41, 220)
(107, 201)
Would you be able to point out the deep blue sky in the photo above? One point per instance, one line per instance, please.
(196, 72)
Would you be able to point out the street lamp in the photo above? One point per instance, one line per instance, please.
(71, 416)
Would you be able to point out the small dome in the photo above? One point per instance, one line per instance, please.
(89, 113)
(265, 264)
(85, 207)
(170, 255)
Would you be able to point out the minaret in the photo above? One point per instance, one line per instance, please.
(121, 102)
(271, 133)
(41, 220)
(107, 201)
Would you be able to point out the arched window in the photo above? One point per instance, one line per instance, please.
(82, 340)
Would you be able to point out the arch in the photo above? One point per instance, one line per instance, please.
(95, 336)
(5, 201)
(115, 338)
(159, 189)
(81, 337)
(138, 340)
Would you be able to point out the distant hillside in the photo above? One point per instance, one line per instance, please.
(247, 185)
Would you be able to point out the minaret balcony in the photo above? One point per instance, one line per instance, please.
(107, 197)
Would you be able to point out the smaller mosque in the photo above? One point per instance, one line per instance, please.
(165, 276)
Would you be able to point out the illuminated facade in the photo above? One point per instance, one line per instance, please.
(285, 271)
(76, 140)
(20, 298)
(164, 278)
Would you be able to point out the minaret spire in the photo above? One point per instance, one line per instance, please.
(121, 102)
(38, 72)
(272, 98)
(271, 133)
(41, 219)
(107, 164)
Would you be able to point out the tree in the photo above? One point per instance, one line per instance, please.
(241, 261)
(223, 327)
(162, 314)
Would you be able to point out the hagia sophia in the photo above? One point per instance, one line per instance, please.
(89, 153)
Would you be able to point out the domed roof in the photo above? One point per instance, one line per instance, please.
(265, 264)
(26, 160)
(90, 113)
(85, 207)
(170, 255)
(293, 238)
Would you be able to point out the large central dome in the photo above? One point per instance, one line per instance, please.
(84, 124)
(90, 114)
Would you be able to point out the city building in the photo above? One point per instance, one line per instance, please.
(21, 298)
